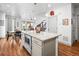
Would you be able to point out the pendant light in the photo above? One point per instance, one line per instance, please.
(51, 13)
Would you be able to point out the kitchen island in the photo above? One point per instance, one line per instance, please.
(43, 43)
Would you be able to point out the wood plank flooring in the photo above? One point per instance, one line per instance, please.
(64, 50)
(11, 48)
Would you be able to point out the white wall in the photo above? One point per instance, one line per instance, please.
(62, 13)
(52, 24)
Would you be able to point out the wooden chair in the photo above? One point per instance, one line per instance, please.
(8, 35)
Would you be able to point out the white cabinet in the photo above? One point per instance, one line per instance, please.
(43, 48)
(36, 50)
(36, 47)
(18, 23)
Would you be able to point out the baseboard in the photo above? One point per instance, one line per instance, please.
(76, 40)
(65, 44)
(27, 51)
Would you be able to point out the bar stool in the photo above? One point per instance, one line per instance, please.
(9, 34)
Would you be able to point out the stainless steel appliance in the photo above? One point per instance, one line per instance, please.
(28, 43)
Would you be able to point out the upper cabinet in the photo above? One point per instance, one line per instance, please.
(27, 25)
(23, 25)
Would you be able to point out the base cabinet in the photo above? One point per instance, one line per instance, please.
(43, 48)
(36, 50)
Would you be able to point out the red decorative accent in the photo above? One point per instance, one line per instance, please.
(51, 13)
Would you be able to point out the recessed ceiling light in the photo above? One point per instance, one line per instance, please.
(49, 5)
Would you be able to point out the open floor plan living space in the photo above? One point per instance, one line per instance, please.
(39, 29)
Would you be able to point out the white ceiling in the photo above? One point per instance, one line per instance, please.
(28, 9)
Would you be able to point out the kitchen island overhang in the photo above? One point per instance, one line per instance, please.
(42, 35)
(44, 43)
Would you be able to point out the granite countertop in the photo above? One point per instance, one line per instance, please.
(42, 35)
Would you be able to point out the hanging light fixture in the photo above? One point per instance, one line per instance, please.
(51, 13)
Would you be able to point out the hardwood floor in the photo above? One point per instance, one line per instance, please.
(64, 50)
(11, 48)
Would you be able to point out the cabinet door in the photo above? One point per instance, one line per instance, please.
(36, 50)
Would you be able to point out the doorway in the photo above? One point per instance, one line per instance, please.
(77, 27)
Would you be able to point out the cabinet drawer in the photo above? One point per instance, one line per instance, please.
(36, 41)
